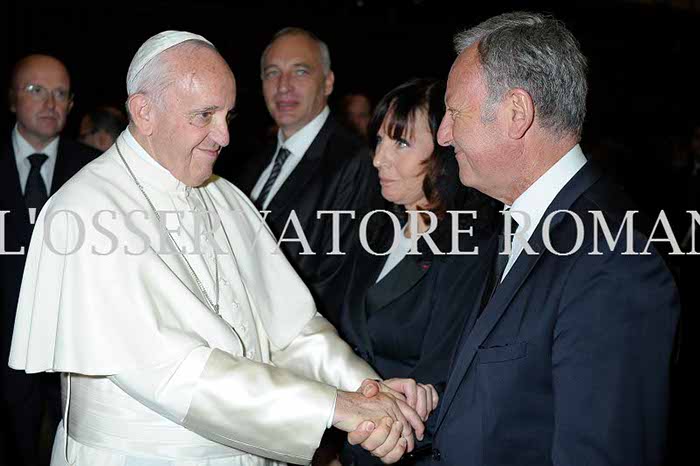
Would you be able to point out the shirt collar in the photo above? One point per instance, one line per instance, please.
(146, 168)
(537, 198)
(131, 141)
(300, 141)
(23, 149)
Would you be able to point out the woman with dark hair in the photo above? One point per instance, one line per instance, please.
(387, 315)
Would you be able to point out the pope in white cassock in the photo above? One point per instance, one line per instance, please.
(182, 338)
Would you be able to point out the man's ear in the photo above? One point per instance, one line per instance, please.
(521, 113)
(141, 111)
(328, 85)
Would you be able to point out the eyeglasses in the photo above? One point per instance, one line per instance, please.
(38, 92)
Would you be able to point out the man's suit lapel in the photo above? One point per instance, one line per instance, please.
(12, 193)
(257, 167)
(304, 172)
(485, 322)
(505, 292)
(64, 168)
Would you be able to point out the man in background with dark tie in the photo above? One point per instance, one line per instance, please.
(314, 165)
(35, 161)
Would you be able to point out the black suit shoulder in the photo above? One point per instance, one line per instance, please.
(334, 144)
(339, 150)
(344, 144)
(613, 207)
(79, 150)
(79, 154)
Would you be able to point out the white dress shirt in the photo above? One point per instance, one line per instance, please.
(140, 151)
(297, 145)
(23, 150)
(537, 198)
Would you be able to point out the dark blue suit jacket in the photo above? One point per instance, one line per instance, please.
(568, 364)
(394, 325)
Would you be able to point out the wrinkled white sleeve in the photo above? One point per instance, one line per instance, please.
(251, 406)
(320, 354)
(168, 387)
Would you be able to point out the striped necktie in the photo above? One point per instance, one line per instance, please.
(281, 157)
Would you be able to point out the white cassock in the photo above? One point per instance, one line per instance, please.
(156, 376)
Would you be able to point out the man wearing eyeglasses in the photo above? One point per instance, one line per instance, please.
(35, 161)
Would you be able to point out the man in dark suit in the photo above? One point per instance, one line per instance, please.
(34, 163)
(566, 359)
(314, 165)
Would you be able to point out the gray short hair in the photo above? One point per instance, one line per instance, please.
(294, 31)
(538, 54)
(159, 73)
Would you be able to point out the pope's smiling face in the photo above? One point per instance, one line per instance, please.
(190, 124)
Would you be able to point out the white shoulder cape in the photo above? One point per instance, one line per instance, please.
(96, 314)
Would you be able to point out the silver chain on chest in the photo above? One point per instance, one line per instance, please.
(214, 306)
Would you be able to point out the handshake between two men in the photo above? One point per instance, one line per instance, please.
(383, 417)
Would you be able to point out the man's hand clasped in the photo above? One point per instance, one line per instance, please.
(383, 416)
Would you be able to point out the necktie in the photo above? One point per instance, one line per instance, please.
(499, 264)
(281, 157)
(35, 193)
(502, 259)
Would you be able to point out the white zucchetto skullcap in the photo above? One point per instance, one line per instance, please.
(152, 47)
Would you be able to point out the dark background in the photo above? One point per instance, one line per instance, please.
(643, 57)
(641, 53)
